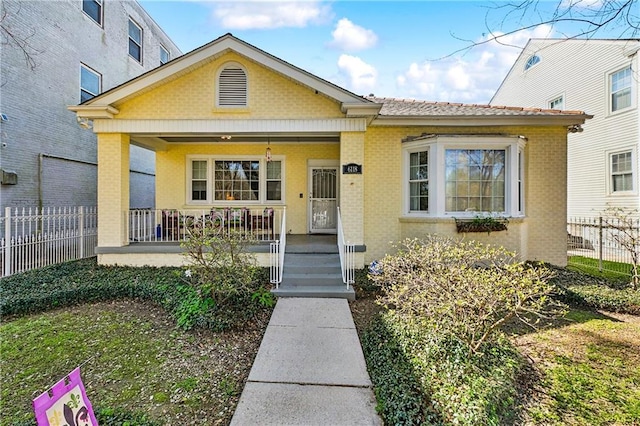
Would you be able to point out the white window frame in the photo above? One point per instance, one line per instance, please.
(531, 62)
(232, 65)
(555, 99)
(101, 13)
(634, 172)
(437, 147)
(262, 177)
(82, 88)
(610, 92)
(131, 40)
(165, 50)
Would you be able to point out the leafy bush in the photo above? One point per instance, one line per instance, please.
(84, 281)
(462, 288)
(219, 266)
(421, 377)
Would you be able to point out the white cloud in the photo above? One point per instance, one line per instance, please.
(351, 37)
(361, 76)
(243, 15)
(470, 78)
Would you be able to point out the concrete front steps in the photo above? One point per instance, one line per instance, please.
(314, 273)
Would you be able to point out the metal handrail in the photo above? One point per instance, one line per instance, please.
(347, 255)
(276, 253)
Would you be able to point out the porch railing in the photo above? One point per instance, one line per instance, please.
(31, 238)
(276, 253)
(347, 255)
(172, 225)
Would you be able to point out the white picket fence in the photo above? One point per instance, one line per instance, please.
(31, 238)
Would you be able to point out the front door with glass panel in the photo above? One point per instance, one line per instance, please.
(323, 195)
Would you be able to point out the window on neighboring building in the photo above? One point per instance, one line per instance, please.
(557, 103)
(221, 179)
(464, 175)
(419, 181)
(622, 172)
(620, 89)
(93, 8)
(533, 60)
(164, 55)
(232, 86)
(135, 41)
(90, 82)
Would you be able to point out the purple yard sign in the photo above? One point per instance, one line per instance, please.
(66, 403)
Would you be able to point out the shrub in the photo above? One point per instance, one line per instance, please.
(84, 281)
(463, 288)
(420, 377)
(219, 265)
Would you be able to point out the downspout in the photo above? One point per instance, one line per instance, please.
(40, 161)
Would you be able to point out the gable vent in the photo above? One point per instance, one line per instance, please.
(232, 87)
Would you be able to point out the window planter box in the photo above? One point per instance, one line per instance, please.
(482, 224)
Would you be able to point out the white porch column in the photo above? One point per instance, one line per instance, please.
(352, 187)
(113, 189)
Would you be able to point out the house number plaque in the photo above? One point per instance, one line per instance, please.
(352, 169)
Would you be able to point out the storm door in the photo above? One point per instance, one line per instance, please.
(323, 195)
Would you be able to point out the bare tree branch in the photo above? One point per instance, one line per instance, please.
(11, 38)
(590, 16)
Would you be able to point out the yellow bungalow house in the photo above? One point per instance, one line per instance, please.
(241, 137)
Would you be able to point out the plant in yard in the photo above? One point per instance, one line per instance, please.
(464, 289)
(623, 226)
(219, 266)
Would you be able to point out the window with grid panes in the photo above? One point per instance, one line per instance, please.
(622, 172)
(419, 181)
(199, 170)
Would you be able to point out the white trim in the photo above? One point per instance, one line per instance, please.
(437, 146)
(559, 96)
(232, 65)
(262, 178)
(130, 39)
(634, 172)
(609, 84)
(224, 126)
(162, 48)
(214, 49)
(91, 71)
(99, 2)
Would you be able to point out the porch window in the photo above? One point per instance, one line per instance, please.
(199, 180)
(456, 175)
(274, 181)
(246, 180)
(237, 180)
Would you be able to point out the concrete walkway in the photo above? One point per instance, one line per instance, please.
(309, 370)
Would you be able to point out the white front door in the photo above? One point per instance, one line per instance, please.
(323, 197)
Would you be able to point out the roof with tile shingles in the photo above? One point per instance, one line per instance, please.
(392, 107)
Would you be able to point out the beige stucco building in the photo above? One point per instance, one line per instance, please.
(395, 168)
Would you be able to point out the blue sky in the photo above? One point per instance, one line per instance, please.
(402, 49)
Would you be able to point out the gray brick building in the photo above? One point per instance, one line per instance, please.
(55, 54)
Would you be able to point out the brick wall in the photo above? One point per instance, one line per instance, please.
(60, 37)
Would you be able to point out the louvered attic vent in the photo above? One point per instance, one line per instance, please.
(232, 87)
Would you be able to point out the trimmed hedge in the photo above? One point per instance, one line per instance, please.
(422, 378)
(84, 281)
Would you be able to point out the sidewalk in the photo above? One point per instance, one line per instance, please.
(309, 370)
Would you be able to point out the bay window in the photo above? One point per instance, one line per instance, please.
(222, 180)
(458, 175)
